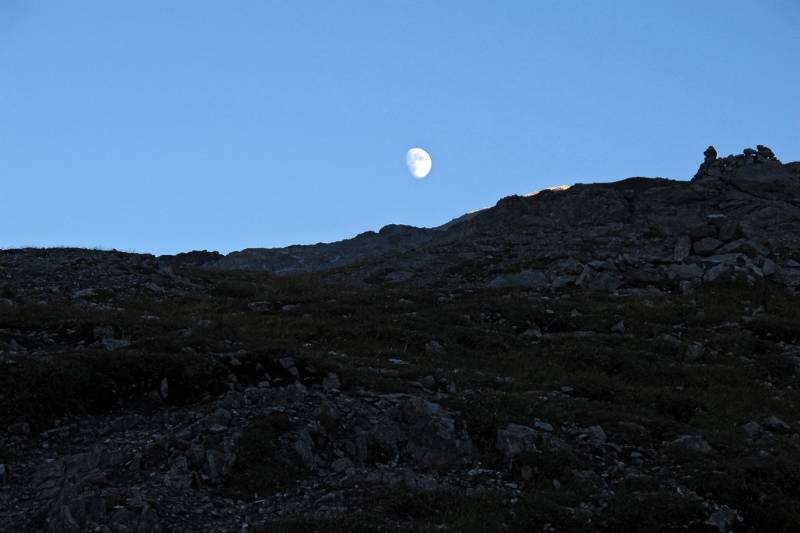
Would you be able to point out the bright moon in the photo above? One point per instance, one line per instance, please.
(419, 162)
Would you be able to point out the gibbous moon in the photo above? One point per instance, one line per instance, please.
(418, 162)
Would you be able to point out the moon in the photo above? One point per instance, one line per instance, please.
(418, 162)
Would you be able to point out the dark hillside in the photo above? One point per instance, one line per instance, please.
(612, 357)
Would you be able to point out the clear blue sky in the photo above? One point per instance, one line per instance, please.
(165, 126)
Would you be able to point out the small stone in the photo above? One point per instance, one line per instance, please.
(769, 267)
(619, 327)
(287, 362)
(695, 351)
(596, 434)
(163, 389)
(84, 293)
(532, 333)
(752, 429)
(683, 247)
(433, 347)
(3, 473)
(773, 423)
(331, 382)
(114, 344)
(260, 306)
(723, 519)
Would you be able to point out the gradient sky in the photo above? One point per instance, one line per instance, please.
(160, 126)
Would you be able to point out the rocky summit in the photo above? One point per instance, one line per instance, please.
(616, 357)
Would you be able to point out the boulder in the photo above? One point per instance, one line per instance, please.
(706, 245)
(752, 429)
(515, 440)
(773, 423)
(769, 267)
(683, 271)
(432, 437)
(744, 246)
(723, 520)
(683, 247)
(693, 443)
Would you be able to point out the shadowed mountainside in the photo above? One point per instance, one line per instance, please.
(618, 357)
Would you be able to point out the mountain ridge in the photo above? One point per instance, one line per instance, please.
(602, 235)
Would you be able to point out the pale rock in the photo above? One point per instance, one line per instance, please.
(773, 423)
(752, 429)
(694, 443)
(769, 267)
(683, 248)
(163, 388)
(723, 520)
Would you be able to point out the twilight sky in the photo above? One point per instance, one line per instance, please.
(161, 127)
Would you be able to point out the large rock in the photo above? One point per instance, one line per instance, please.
(515, 439)
(706, 246)
(683, 271)
(692, 443)
(413, 431)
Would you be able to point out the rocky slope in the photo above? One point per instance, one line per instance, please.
(613, 357)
